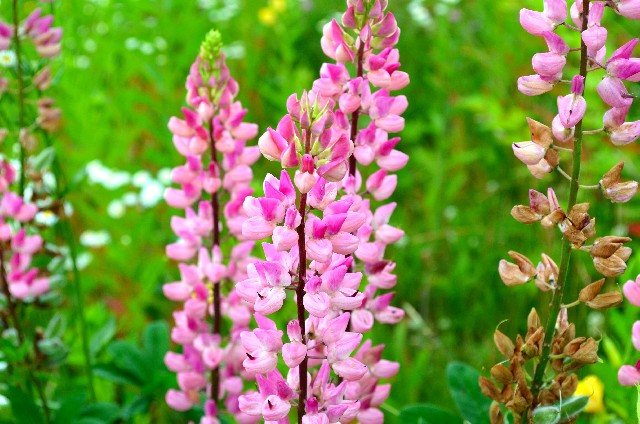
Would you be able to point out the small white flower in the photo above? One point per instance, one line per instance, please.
(95, 238)
(116, 209)
(7, 58)
(151, 194)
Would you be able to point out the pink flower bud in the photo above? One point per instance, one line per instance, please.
(628, 8)
(625, 133)
(274, 408)
(613, 92)
(176, 362)
(631, 290)
(562, 134)
(293, 353)
(535, 23)
(272, 144)
(529, 152)
(284, 238)
(548, 64)
(635, 335)
(594, 38)
(628, 375)
(533, 85)
(571, 108)
(350, 369)
(361, 321)
(178, 401)
(191, 381)
(260, 362)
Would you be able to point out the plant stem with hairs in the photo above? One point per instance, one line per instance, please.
(558, 292)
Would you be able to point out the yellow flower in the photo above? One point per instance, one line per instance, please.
(591, 386)
(268, 15)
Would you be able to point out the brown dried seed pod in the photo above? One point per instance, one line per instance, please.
(587, 352)
(569, 385)
(533, 320)
(573, 346)
(591, 291)
(540, 133)
(525, 215)
(504, 344)
(495, 413)
(605, 300)
(501, 374)
(489, 389)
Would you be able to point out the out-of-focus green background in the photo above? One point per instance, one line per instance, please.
(122, 76)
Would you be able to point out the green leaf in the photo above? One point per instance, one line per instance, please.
(571, 407)
(563, 410)
(102, 337)
(427, 414)
(69, 408)
(140, 404)
(23, 407)
(56, 327)
(104, 412)
(115, 374)
(44, 159)
(129, 357)
(546, 415)
(155, 341)
(464, 388)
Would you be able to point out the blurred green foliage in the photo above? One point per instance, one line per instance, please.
(122, 76)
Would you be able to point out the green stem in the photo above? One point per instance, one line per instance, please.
(557, 294)
(21, 99)
(70, 240)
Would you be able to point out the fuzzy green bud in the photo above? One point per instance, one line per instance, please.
(211, 46)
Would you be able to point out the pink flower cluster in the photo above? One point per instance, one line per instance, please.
(46, 38)
(619, 67)
(629, 375)
(326, 235)
(23, 281)
(212, 138)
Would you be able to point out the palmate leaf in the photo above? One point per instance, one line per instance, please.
(464, 388)
(69, 408)
(155, 342)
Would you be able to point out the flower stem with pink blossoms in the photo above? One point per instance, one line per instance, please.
(300, 292)
(356, 114)
(565, 258)
(21, 99)
(215, 241)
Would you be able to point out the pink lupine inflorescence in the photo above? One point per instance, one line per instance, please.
(629, 375)
(212, 185)
(45, 38)
(328, 232)
(23, 281)
(584, 41)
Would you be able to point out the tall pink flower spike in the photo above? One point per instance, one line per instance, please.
(629, 375)
(23, 281)
(620, 66)
(326, 235)
(212, 185)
